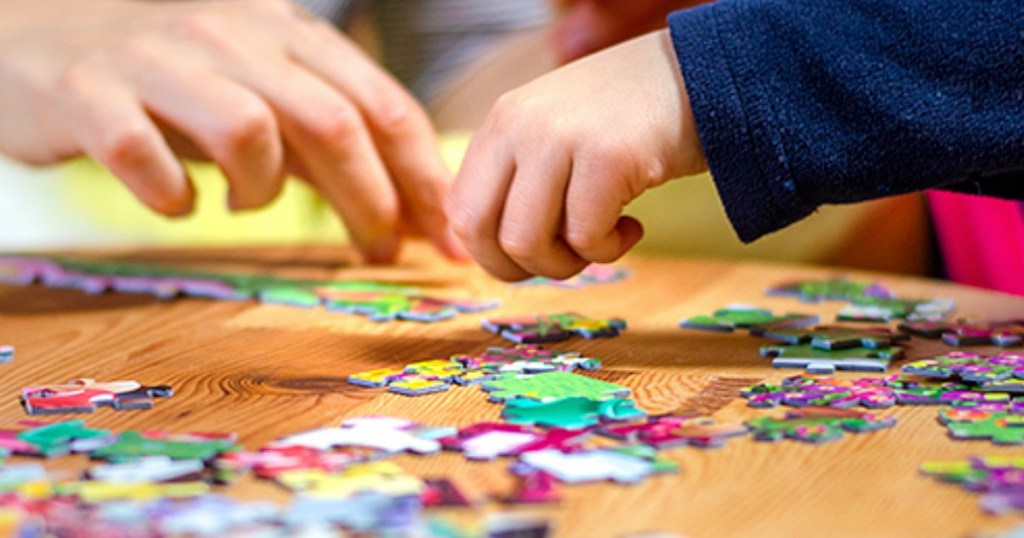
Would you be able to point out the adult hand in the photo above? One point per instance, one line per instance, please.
(545, 179)
(258, 86)
(586, 26)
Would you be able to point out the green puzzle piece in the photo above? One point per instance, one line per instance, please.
(55, 439)
(816, 425)
(832, 338)
(132, 445)
(1001, 427)
(549, 386)
(820, 361)
(756, 320)
(571, 413)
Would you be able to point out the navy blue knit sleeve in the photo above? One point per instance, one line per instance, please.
(801, 103)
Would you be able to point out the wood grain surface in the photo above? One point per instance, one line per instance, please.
(264, 371)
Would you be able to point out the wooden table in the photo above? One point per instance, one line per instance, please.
(264, 371)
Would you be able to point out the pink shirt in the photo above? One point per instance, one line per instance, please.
(981, 238)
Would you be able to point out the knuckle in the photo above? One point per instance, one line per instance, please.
(205, 27)
(519, 244)
(582, 238)
(124, 146)
(396, 117)
(338, 126)
(249, 128)
(463, 222)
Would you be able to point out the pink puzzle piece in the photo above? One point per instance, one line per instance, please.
(85, 395)
(671, 431)
(489, 440)
(387, 434)
(272, 461)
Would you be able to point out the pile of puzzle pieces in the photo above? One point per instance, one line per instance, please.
(161, 482)
(376, 300)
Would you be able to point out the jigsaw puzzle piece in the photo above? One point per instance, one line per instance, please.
(442, 492)
(592, 465)
(535, 487)
(84, 395)
(387, 434)
(57, 438)
(1008, 333)
(6, 354)
(379, 377)
(755, 320)
(1004, 427)
(670, 431)
(132, 445)
(489, 440)
(543, 328)
(801, 391)
(816, 291)
(149, 469)
(570, 413)
(819, 361)
(833, 338)
(526, 358)
(970, 367)
(817, 424)
(551, 386)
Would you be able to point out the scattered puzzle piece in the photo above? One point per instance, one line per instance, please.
(817, 424)
(1002, 427)
(882, 309)
(591, 465)
(819, 361)
(95, 492)
(526, 358)
(442, 492)
(489, 440)
(963, 333)
(800, 391)
(755, 320)
(833, 338)
(148, 469)
(536, 487)
(595, 273)
(56, 438)
(132, 445)
(551, 386)
(6, 354)
(543, 328)
(382, 433)
(571, 413)
(816, 291)
(85, 395)
(970, 367)
(270, 461)
(670, 431)
(385, 478)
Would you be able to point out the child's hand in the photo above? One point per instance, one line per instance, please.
(257, 86)
(546, 177)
